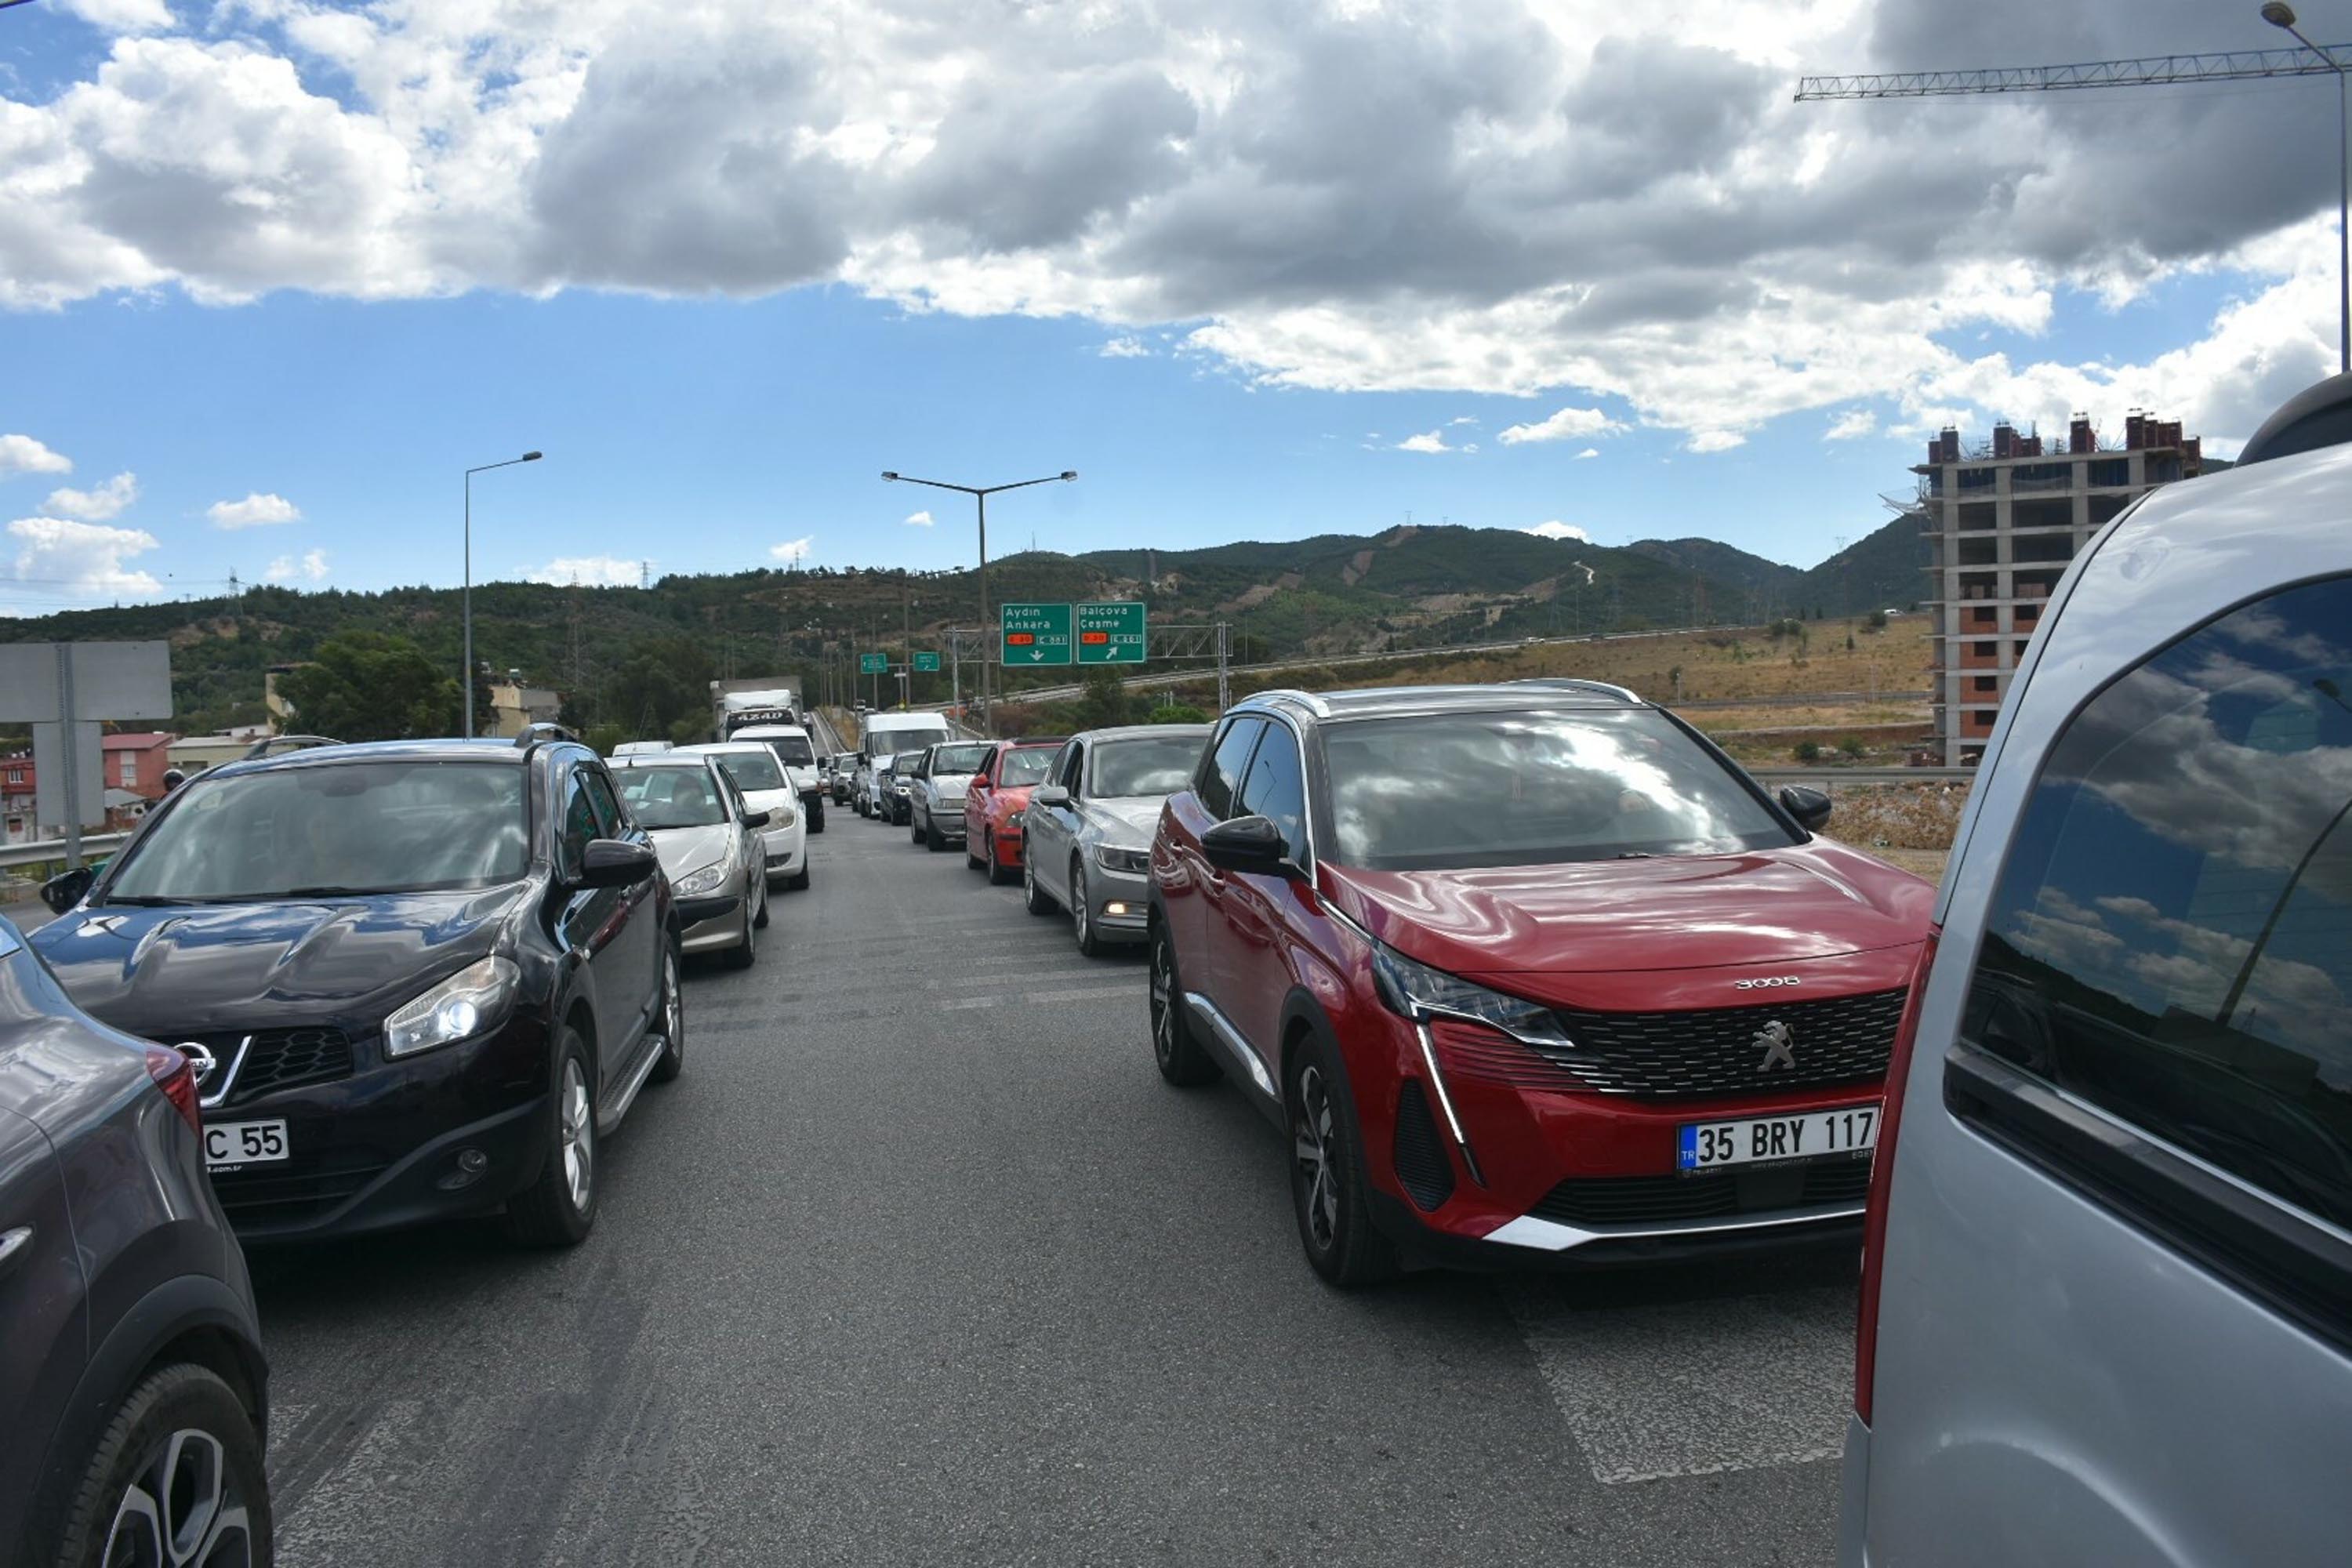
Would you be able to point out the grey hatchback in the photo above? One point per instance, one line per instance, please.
(131, 1364)
(2106, 1295)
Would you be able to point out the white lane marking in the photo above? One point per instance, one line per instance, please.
(1084, 994)
(1693, 1388)
(966, 1004)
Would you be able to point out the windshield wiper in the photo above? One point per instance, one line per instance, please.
(146, 900)
(323, 891)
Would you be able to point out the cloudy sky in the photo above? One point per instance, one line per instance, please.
(273, 274)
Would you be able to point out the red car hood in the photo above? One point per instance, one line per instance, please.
(1766, 907)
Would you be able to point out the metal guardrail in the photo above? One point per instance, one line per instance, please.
(41, 850)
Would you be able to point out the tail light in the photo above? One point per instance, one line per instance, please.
(176, 1077)
(1882, 1175)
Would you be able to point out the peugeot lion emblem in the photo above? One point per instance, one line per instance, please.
(1780, 1043)
(201, 1058)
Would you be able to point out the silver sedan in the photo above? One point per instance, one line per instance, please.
(1087, 835)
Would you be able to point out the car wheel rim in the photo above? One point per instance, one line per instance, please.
(579, 1135)
(1029, 881)
(180, 1507)
(1163, 1001)
(1079, 909)
(673, 1003)
(1319, 1185)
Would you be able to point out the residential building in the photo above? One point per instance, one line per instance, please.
(16, 822)
(514, 705)
(193, 755)
(135, 763)
(2003, 519)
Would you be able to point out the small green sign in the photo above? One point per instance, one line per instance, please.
(1034, 633)
(926, 662)
(872, 664)
(1110, 633)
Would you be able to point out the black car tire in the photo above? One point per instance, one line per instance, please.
(971, 860)
(762, 920)
(673, 1016)
(546, 1213)
(746, 952)
(997, 875)
(816, 815)
(170, 1403)
(1082, 912)
(933, 839)
(1334, 1218)
(1174, 1046)
(1034, 899)
(798, 882)
(914, 828)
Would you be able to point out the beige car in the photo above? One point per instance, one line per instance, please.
(710, 846)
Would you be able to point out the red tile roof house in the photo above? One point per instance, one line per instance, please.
(136, 761)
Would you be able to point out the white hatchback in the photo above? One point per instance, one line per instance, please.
(753, 769)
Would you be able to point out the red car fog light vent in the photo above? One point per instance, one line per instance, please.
(1476, 1053)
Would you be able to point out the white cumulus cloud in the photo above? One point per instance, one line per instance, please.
(1125, 348)
(1427, 441)
(1715, 440)
(124, 16)
(1556, 528)
(256, 510)
(1588, 452)
(919, 520)
(1853, 422)
(588, 570)
(87, 558)
(794, 550)
(308, 567)
(23, 455)
(97, 504)
(1566, 425)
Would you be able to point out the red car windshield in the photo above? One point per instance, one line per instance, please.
(1451, 791)
(1025, 768)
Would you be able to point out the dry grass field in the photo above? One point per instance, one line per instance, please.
(1720, 666)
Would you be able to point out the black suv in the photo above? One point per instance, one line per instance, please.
(131, 1364)
(419, 979)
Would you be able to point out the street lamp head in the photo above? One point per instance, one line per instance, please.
(890, 474)
(531, 457)
(2278, 14)
(1069, 474)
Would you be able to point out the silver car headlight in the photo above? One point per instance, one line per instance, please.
(1111, 857)
(780, 817)
(706, 880)
(1417, 990)
(463, 1005)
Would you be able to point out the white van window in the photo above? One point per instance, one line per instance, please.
(2171, 937)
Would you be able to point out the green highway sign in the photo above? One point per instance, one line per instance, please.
(926, 661)
(872, 664)
(1110, 633)
(1034, 633)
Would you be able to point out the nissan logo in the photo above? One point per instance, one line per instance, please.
(201, 1059)
(1765, 984)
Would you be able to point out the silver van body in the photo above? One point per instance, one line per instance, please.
(2113, 1266)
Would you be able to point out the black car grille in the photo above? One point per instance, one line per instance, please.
(1661, 1200)
(1722, 1051)
(297, 1190)
(280, 1059)
(1420, 1162)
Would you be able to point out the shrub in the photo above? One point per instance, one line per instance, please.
(1179, 713)
(1807, 752)
(1851, 746)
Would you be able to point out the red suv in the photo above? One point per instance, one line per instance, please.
(996, 797)
(1528, 971)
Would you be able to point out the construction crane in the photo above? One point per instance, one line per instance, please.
(2156, 71)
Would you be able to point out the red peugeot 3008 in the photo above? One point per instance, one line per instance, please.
(1528, 971)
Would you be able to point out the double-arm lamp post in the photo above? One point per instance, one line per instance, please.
(979, 493)
(465, 672)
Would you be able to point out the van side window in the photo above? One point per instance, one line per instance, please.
(1222, 764)
(2171, 935)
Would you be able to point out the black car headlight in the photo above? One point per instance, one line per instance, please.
(1416, 990)
(1112, 858)
(464, 1006)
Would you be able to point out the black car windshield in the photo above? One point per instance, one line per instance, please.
(1447, 791)
(1024, 767)
(752, 770)
(958, 758)
(792, 750)
(380, 827)
(1150, 764)
(671, 797)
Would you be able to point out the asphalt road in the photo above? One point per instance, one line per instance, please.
(919, 1262)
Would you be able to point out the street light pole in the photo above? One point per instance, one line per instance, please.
(466, 671)
(979, 493)
(2280, 14)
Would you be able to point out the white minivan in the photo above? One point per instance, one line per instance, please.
(2106, 1290)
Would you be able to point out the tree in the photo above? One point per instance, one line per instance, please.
(369, 686)
(1104, 702)
(1179, 713)
(661, 689)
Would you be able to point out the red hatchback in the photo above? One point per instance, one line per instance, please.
(993, 802)
(1527, 972)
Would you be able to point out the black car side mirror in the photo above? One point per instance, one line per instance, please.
(63, 890)
(757, 818)
(615, 863)
(1251, 845)
(1810, 807)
